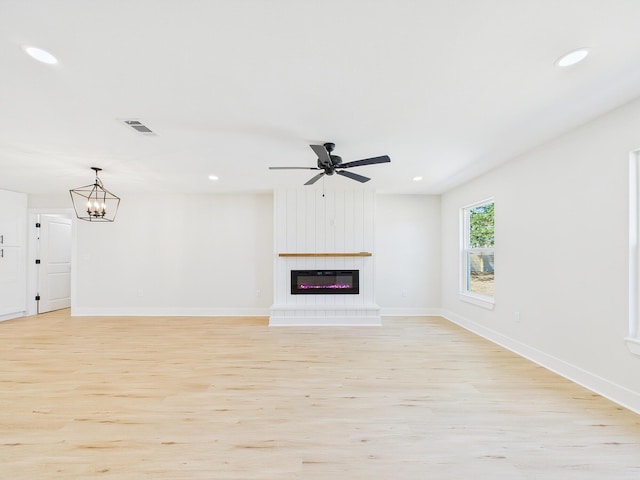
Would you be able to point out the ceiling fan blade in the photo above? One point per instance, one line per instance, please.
(322, 153)
(353, 176)
(315, 179)
(366, 161)
(294, 168)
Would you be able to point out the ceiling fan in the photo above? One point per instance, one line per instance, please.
(330, 164)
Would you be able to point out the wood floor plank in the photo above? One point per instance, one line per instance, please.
(231, 398)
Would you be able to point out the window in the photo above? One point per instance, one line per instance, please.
(477, 263)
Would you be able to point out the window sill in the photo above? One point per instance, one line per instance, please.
(633, 344)
(478, 300)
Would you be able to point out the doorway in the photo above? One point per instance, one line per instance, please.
(50, 254)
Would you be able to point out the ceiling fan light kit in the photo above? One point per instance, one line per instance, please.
(93, 202)
(332, 164)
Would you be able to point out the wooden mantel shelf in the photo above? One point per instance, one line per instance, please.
(356, 254)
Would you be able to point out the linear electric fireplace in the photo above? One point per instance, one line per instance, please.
(324, 282)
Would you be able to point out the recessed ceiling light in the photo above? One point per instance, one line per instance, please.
(417, 179)
(572, 57)
(213, 177)
(41, 55)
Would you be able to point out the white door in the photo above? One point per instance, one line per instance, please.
(54, 274)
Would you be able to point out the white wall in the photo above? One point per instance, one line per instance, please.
(177, 255)
(194, 233)
(408, 254)
(561, 255)
(58, 202)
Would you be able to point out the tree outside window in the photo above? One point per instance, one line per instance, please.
(478, 251)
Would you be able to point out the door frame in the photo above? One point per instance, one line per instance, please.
(32, 250)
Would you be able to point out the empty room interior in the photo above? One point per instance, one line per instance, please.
(344, 239)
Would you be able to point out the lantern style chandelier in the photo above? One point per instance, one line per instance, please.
(93, 202)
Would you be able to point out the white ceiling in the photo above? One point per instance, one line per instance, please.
(447, 88)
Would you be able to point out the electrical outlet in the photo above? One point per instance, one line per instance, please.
(516, 317)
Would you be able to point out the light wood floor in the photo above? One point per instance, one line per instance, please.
(214, 398)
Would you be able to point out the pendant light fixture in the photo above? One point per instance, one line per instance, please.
(93, 202)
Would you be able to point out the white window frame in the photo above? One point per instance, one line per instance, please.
(633, 338)
(466, 295)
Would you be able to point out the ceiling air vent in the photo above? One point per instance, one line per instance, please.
(138, 126)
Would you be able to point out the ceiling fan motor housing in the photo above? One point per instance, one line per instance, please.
(332, 164)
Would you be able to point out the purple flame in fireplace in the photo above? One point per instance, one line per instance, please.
(305, 286)
(315, 282)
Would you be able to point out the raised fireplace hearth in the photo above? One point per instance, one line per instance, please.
(325, 282)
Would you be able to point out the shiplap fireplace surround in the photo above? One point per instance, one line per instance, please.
(330, 232)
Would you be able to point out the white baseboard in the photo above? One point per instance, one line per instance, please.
(612, 391)
(10, 316)
(169, 312)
